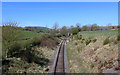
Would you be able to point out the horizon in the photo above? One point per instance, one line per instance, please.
(44, 14)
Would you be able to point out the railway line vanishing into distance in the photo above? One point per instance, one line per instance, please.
(59, 63)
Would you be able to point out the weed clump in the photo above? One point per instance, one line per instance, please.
(79, 37)
(16, 47)
(118, 37)
(83, 39)
(87, 42)
(115, 41)
(58, 35)
(94, 40)
(79, 49)
(36, 41)
(106, 41)
(75, 43)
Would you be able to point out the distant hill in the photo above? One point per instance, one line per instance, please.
(37, 29)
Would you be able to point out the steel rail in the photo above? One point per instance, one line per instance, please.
(60, 60)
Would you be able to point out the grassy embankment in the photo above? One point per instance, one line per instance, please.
(93, 52)
(34, 54)
(0, 42)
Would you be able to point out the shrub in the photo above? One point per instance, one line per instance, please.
(46, 40)
(27, 44)
(83, 39)
(49, 42)
(79, 37)
(75, 31)
(106, 41)
(58, 35)
(94, 40)
(63, 31)
(15, 47)
(36, 41)
(87, 42)
(75, 43)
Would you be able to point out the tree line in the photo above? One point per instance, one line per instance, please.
(64, 30)
(78, 28)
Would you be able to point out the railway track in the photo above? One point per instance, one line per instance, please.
(59, 62)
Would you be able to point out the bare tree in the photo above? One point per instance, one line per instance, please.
(78, 25)
(109, 26)
(55, 29)
(55, 26)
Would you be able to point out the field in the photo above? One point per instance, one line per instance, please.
(99, 33)
(94, 52)
(29, 34)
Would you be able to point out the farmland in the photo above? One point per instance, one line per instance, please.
(29, 34)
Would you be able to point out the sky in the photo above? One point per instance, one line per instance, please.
(60, 0)
(64, 13)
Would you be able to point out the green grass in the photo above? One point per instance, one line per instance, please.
(28, 34)
(100, 33)
(41, 30)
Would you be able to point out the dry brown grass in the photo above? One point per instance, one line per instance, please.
(94, 57)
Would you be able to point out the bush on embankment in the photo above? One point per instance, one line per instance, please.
(11, 35)
(45, 41)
